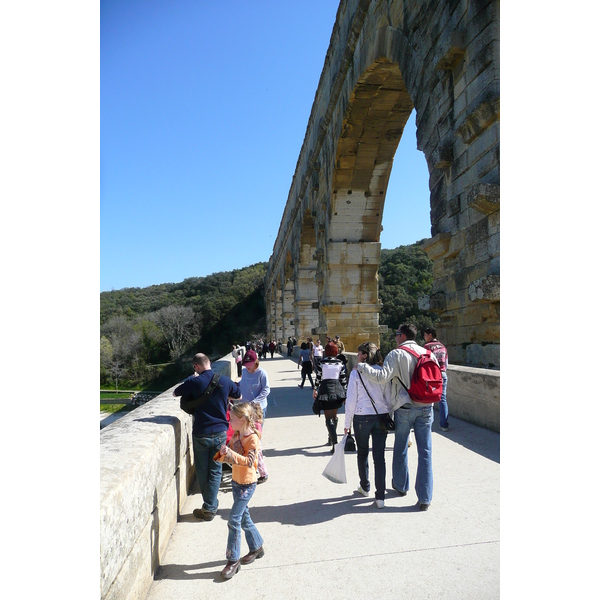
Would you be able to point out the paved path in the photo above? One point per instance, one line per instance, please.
(323, 540)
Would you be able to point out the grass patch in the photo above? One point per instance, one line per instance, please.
(114, 395)
(113, 408)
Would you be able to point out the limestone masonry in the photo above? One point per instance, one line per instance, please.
(386, 58)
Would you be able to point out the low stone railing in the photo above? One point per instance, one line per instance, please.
(474, 395)
(146, 470)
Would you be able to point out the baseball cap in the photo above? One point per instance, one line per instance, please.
(249, 357)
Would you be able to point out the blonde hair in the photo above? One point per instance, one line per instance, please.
(258, 413)
(247, 412)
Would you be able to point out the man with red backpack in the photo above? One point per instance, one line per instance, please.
(416, 386)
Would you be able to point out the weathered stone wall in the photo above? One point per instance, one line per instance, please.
(474, 395)
(385, 58)
(146, 470)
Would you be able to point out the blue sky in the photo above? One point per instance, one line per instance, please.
(203, 111)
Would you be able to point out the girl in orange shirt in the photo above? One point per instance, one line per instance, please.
(242, 454)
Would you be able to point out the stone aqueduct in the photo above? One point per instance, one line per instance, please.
(386, 58)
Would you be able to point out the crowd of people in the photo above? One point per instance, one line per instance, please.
(380, 396)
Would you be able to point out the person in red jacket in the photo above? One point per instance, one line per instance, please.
(439, 351)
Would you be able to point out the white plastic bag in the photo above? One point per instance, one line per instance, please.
(336, 468)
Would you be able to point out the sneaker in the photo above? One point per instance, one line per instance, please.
(443, 428)
(203, 515)
(361, 491)
(379, 503)
(422, 506)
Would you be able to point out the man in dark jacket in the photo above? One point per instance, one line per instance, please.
(209, 432)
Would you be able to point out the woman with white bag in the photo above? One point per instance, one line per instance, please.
(368, 405)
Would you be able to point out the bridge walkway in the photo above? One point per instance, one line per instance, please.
(323, 540)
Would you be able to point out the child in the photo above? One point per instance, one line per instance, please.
(242, 454)
(263, 475)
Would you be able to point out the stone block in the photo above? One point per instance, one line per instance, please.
(480, 118)
(443, 155)
(477, 232)
(438, 246)
(477, 354)
(484, 197)
(486, 289)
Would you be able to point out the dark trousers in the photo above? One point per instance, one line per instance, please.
(365, 427)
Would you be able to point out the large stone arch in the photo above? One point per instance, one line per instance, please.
(386, 58)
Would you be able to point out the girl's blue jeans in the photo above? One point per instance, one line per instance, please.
(239, 518)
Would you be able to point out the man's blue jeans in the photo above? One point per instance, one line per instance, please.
(366, 426)
(208, 471)
(239, 518)
(443, 406)
(420, 420)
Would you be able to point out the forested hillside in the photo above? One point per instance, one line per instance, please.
(145, 331)
(405, 274)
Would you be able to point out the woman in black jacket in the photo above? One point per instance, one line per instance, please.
(330, 388)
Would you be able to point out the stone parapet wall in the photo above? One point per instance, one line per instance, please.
(146, 470)
(474, 395)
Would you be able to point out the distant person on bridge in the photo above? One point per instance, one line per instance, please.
(209, 431)
(441, 353)
(305, 361)
(339, 344)
(290, 346)
(238, 353)
(330, 389)
(317, 353)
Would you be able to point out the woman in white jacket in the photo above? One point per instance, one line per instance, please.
(364, 401)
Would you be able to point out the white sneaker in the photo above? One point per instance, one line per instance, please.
(379, 503)
(361, 491)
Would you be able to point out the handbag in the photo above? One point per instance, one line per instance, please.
(385, 420)
(350, 445)
(336, 468)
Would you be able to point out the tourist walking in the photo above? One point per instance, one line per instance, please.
(242, 455)
(441, 354)
(307, 367)
(238, 353)
(330, 389)
(317, 353)
(365, 401)
(408, 415)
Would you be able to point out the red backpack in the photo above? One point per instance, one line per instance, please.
(426, 384)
